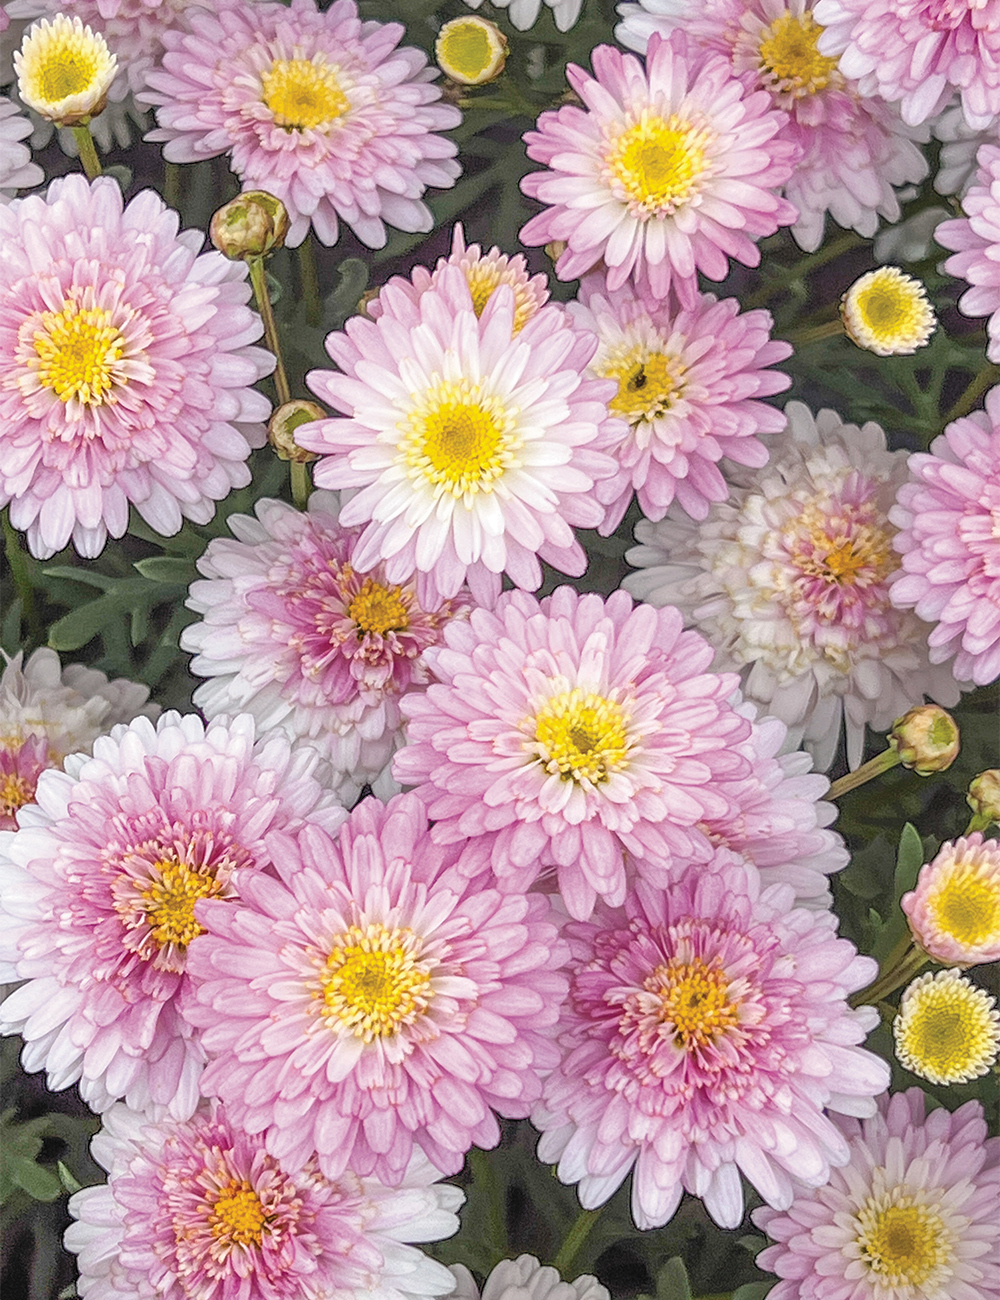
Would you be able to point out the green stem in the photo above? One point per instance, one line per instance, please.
(88, 152)
(19, 572)
(309, 279)
(575, 1238)
(300, 483)
(828, 330)
(884, 762)
(979, 822)
(983, 380)
(896, 970)
(258, 278)
(172, 185)
(803, 267)
(486, 1180)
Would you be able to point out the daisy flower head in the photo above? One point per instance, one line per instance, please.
(789, 580)
(199, 1210)
(666, 171)
(329, 114)
(291, 632)
(888, 313)
(524, 13)
(689, 388)
(64, 70)
(948, 535)
(954, 910)
(17, 171)
(471, 51)
(375, 1000)
(99, 887)
(571, 731)
(974, 240)
(947, 1030)
(706, 1031)
(913, 1215)
(513, 1279)
(475, 448)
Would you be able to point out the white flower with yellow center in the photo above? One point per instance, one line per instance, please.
(947, 1029)
(888, 313)
(64, 70)
(471, 51)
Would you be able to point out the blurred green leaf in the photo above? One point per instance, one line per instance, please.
(672, 1281)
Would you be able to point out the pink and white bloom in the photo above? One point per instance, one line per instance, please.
(475, 446)
(975, 239)
(293, 633)
(200, 1211)
(17, 171)
(689, 389)
(375, 1000)
(326, 112)
(919, 53)
(99, 886)
(947, 519)
(666, 171)
(706, 1032)
(516, 1279)
(125, 367)
(954, 909)
(568, 733)
(914, 1213)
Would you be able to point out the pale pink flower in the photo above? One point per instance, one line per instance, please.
(375, 1000)
(960, 143)
(706, 1032)
(976, 241)
(665, 172)
(125, 370)
(200, 1211)
(954, 909)
(689, 383)
(17, 171)
(99, 885)
(518, 1279)
(948, 517)
(326, 112)
(523, 14)
(567, 732)
(913, 1215)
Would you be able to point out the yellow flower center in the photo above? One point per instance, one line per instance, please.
(374, 981)
(379, 609)
(648, 382)
(465, 48)
(659, 164)
(861, 553)
(459, 439)
(65, 72)
(904, 1243)
(696, 1001)
(79, 351)
(168, 902)
(581, 736)
(946, 1030)
(484, 277)
(888, 313)
(237, 1216)
(303, 93)
(967, 906)
(15, 792)
(789, 60)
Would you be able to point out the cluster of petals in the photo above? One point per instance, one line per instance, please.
(291, 632)
(564, 732)
(666, 171)
(706, 1032)
(960, 145)
(947, 519)
(475, 447)
(17, 171)
(126, 370)
(975, 241)
(98, 886)
(523, 14)
(689, 388)
(198, 1210)
(375, 1000)
(954, 908)
(328, 113)
(516, 1279)
(915, 1211)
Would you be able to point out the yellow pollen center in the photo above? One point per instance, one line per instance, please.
(865, 554)
(65, 72)
(302, 93)
(459, 439)
(789, 59)
(169, 900)
(659, 163)
(485, 277)
(238, 1216)
(15, 792)
(967, 907)
(379, 609)
(946, 1029)
(465, 49)
(78, 352)
(581, 736)
(373, 982)
(696, 1001)
(648, 383)
(905, 1244)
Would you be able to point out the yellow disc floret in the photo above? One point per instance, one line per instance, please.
(374, 981)
(902, 1242)
(659, 164)
(379, 609)
(79, 353)
(696, 1001)
(947, 1029)
(649, 382)
(471, 50)
(238, 1217)
(459, 439)
(303, 93)
(965, 904)
(581, 736)
(169, 899)
(790, 62)
(888, 313)
(64, 70)
(15, 792)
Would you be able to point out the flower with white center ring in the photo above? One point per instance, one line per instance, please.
(947, 1029)
(64, 70)
(888, 313)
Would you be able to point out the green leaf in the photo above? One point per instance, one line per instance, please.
(909, 860)
(69, 1182)
(81, 625)
(752, 1290)
(89, 577)
(672, 1281)
(167, 568)
(40, 1183)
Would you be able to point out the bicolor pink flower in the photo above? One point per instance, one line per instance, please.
(375, 1000)
(201, 1211)
(915, 1212)
(475, 445)
(98, 891)
(326, 112)
(954, 908)
(919, 53)
(975, 239)
(570, 732)
(663, 173)
(947, 516)
(689, 384)
(125, 371)
(706, 1032)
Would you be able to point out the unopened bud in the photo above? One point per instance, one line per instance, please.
(926, 739)
(253, 224)
(984, 796)
(281, 429)
(471, 50)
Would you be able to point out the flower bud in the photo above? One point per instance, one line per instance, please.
(253, 224)
(984, 795)
(556, 249)
(471, 50)
(281, 429)
(888, 313)
(64, 70)
(926, 739)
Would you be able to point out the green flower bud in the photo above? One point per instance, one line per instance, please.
(926, 739)
(285, 420)
(251, 225)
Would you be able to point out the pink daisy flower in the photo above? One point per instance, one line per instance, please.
(376, 999)
(954, 909)
(665, 172)
(322, 110)
(125, 370)
(568, 732)
(99, 886)
(975, 239)
(292, 633)
(919, 53)
(947, 516)
(475, 447)
(915, 1213)
(689, 384)
(200, 1211)
(707, 1029)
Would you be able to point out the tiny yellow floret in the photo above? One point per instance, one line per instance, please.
(581, 736)
(471, 50)
(888, 313)
(903, 1242)
(64, 70)
(659, 164)
(649, 382)
(375, 981)
(304, 94)
(947, 1029)
(790, 62)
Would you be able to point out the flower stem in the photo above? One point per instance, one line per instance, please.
(300, 483)
(309, 279)
(575, 1238)
(884, 762)
(828, 330)
(88, 152)
(905, 960)
(19, 572)
(803, 267)
(987, 376)
(258, 278)
(172, 184)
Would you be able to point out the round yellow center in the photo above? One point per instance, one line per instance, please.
(374, 982)
(659, 164)
(789, 59)
(379, 609)
(648, 383)
(465, 49)
(79, 350)
(967, 906)
(864, 554)
(945, 1032)
(904, 1243)
(696, 1001)
(303, 93)
(15, 792)
(238, 1216)
(484, 277)
(581, 736)
(64, 72)
(888, 313)
(168, 902)
(459, 439)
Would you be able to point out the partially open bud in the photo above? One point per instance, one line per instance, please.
(926, 739)
(984, 796)
(64, 70)
(888, 313)
(281, 430)
(253, 224)
(471, 50)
